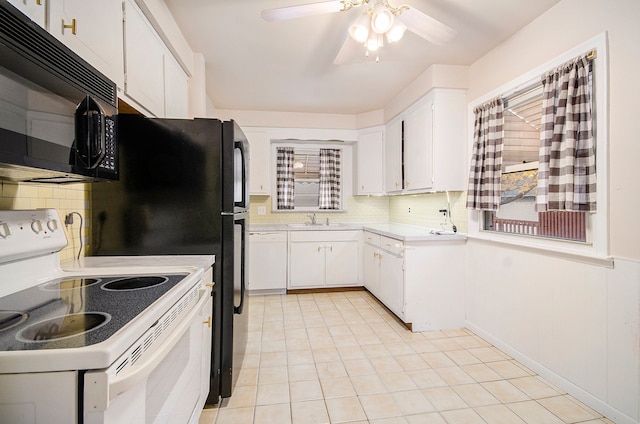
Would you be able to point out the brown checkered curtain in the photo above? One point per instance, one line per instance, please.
(486, 161)
(567, 169)
(329, 179)
(284, 178)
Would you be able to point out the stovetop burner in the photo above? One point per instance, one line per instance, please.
(62, 327)
(9, 319)
(70, 284)
(77, 311)
(135, 283)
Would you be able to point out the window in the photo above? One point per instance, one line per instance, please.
(586, 234)
(518, 181)
(308, 178)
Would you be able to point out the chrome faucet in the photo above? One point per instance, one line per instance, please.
(312, 218)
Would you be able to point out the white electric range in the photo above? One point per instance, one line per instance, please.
(120, 341)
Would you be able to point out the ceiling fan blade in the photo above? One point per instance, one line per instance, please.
(347, 51)
(292, 12)
(426, 27)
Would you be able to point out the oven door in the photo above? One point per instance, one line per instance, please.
(162, 383)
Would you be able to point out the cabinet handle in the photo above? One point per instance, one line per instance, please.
(39, 2)
(210, 285)
(71, 26)
(208, 322)
(380, 256)
(407, 183)
(320, 247)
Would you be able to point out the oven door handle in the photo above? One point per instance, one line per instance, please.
(101, 387)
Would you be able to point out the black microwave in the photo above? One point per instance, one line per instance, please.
(57, 113)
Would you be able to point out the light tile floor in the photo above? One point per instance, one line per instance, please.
(342, 357)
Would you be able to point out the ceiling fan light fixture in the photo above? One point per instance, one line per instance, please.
(381, 19)
(359, 31)
(396, 32)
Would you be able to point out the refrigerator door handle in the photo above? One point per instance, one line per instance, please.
(238, 309)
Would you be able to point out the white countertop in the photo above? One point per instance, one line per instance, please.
(404, 232)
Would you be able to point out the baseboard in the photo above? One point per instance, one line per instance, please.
(325, 290)
(577, 392)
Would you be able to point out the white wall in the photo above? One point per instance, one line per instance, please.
(575, 323)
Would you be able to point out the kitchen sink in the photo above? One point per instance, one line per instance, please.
(317, 225)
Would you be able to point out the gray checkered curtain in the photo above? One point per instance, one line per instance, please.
(284, 177)
(486, 160)
(567, 169)
(329, 179)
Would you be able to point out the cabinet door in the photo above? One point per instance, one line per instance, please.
(341, 263)
(306, 264)
(259, 163)
(370, 163)
(393, 156)
(34, 9)
(176, 90)
(145, 61)
(418, 147)
(93, 30)
(268, 261)
(392, 282)
(372, 269)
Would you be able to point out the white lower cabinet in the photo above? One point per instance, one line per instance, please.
(392, 282)
(384, 270)
(421, 282)
(268, 261)
(324, 259)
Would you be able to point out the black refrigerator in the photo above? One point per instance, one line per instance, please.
(184, 189)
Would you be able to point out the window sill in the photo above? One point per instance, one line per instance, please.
(544, 247)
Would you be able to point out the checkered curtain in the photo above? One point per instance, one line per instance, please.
(486, 161)
(284, 177)
(329, 179)
(567, 169)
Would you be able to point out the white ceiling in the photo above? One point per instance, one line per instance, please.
(288, 66)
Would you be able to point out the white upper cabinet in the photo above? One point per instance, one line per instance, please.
(425, 147)
(418, 147)
(370, 162)
(393, 156)
(450, 166)
(176, 89)
(145, 61)
(259, 162)
(154, 78)
(93, 30)
(34, 9)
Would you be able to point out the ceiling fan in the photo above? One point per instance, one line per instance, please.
(379, 19)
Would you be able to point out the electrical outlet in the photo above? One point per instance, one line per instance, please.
(262, 210)
(409, 209)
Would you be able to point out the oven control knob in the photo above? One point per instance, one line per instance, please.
(36, 226)
(52, 224)
(5, 231)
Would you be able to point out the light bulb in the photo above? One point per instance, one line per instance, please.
(359, 31)
(381, 19)
(396, 32)
(374, 42)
